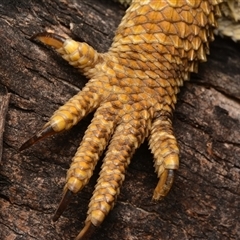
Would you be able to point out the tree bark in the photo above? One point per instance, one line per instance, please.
(204, 202)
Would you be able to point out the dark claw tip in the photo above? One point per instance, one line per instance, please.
(164, 184)
(28, 143)
(86, 232)
(45, 132)
(67, 197)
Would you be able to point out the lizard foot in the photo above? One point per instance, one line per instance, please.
(133, 89)
(127, 111)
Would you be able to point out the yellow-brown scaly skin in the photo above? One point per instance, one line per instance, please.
(133, 89)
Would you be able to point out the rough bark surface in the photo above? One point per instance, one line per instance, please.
(204, 202)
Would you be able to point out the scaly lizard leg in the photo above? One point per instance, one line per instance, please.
(133, 87)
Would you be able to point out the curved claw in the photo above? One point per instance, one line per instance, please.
(164, 184)
(86, 232)
(46, 131)
(50, 39)
(88, 229)
(67, 197)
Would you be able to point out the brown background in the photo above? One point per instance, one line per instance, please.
(204, 202)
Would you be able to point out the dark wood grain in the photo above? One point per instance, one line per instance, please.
(204, 202)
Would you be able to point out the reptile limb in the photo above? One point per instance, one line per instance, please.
(133, 89)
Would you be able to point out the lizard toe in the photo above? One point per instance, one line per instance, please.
(164, 147)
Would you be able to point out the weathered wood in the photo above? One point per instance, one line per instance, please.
(205, 200)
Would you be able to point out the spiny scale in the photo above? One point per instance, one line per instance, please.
(133, 89)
